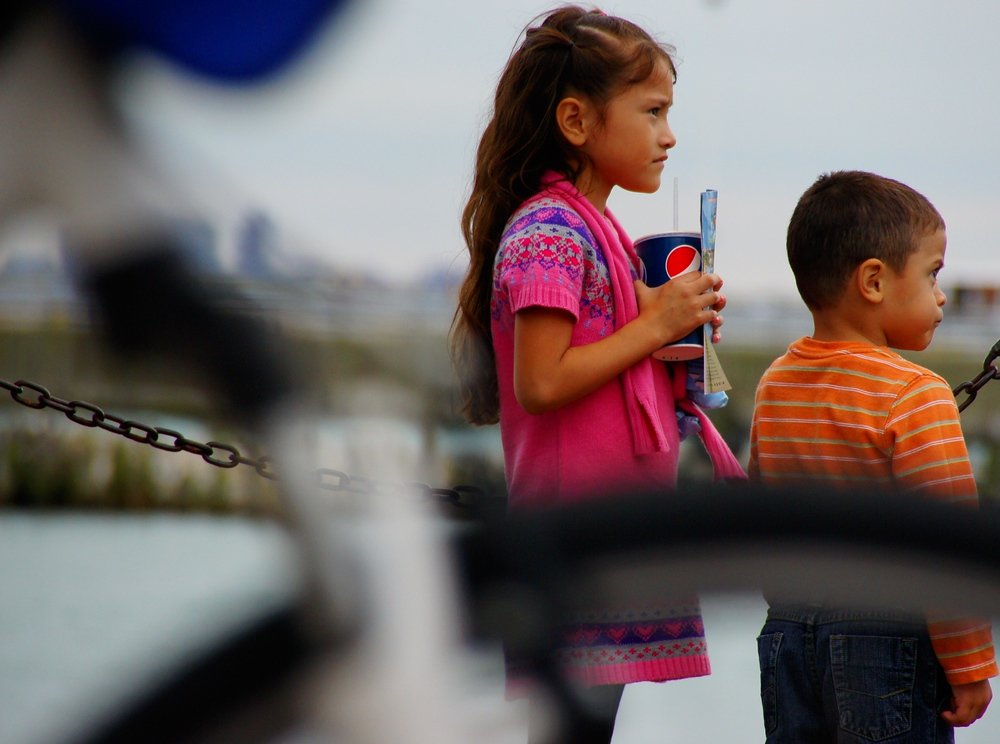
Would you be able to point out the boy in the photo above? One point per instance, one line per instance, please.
(840, 408)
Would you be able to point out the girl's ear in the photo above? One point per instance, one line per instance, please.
(870, 279)
(571, 119)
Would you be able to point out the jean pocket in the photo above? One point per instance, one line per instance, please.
(767, 652)
(873, 678)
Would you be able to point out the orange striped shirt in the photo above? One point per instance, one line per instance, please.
(847, 414)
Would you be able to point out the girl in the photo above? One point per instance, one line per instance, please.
(553, 333)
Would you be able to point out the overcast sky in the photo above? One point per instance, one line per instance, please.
(362, 150)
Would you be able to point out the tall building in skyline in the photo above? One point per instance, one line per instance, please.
(256, 246)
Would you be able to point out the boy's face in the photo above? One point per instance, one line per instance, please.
(913, 301)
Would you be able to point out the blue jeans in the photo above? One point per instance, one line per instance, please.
(838, 676)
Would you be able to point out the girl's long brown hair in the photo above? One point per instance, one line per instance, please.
(573, 51)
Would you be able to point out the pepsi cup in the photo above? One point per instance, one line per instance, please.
(663, 257)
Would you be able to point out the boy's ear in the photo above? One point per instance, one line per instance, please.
(870, 280)
(571, 118)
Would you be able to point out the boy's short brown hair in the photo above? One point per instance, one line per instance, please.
(847, 217)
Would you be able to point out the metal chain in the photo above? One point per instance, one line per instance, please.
(219, 454)
(222, 455)
(972, 387)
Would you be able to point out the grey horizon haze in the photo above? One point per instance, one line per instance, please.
(362, 151)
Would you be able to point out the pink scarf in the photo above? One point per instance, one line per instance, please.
(640, 397)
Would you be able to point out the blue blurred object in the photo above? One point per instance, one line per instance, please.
(232, 40)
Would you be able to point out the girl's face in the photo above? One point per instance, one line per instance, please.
(629, 147)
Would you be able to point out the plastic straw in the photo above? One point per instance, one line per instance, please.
(676, 199)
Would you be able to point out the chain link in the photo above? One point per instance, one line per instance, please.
(972, 387)
(220, 454)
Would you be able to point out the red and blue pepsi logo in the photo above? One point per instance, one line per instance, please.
(682, 259)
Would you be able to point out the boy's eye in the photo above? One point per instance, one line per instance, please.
(655, 111)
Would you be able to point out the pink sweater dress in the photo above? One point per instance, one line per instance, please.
(548, 257)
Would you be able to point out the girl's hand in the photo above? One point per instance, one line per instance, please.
(717, 321)
(676, 308)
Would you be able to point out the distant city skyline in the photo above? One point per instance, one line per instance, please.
(311, 292)
(248, 243)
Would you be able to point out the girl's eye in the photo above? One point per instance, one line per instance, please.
(655, 111)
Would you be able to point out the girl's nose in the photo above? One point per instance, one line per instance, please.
(667, 139)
